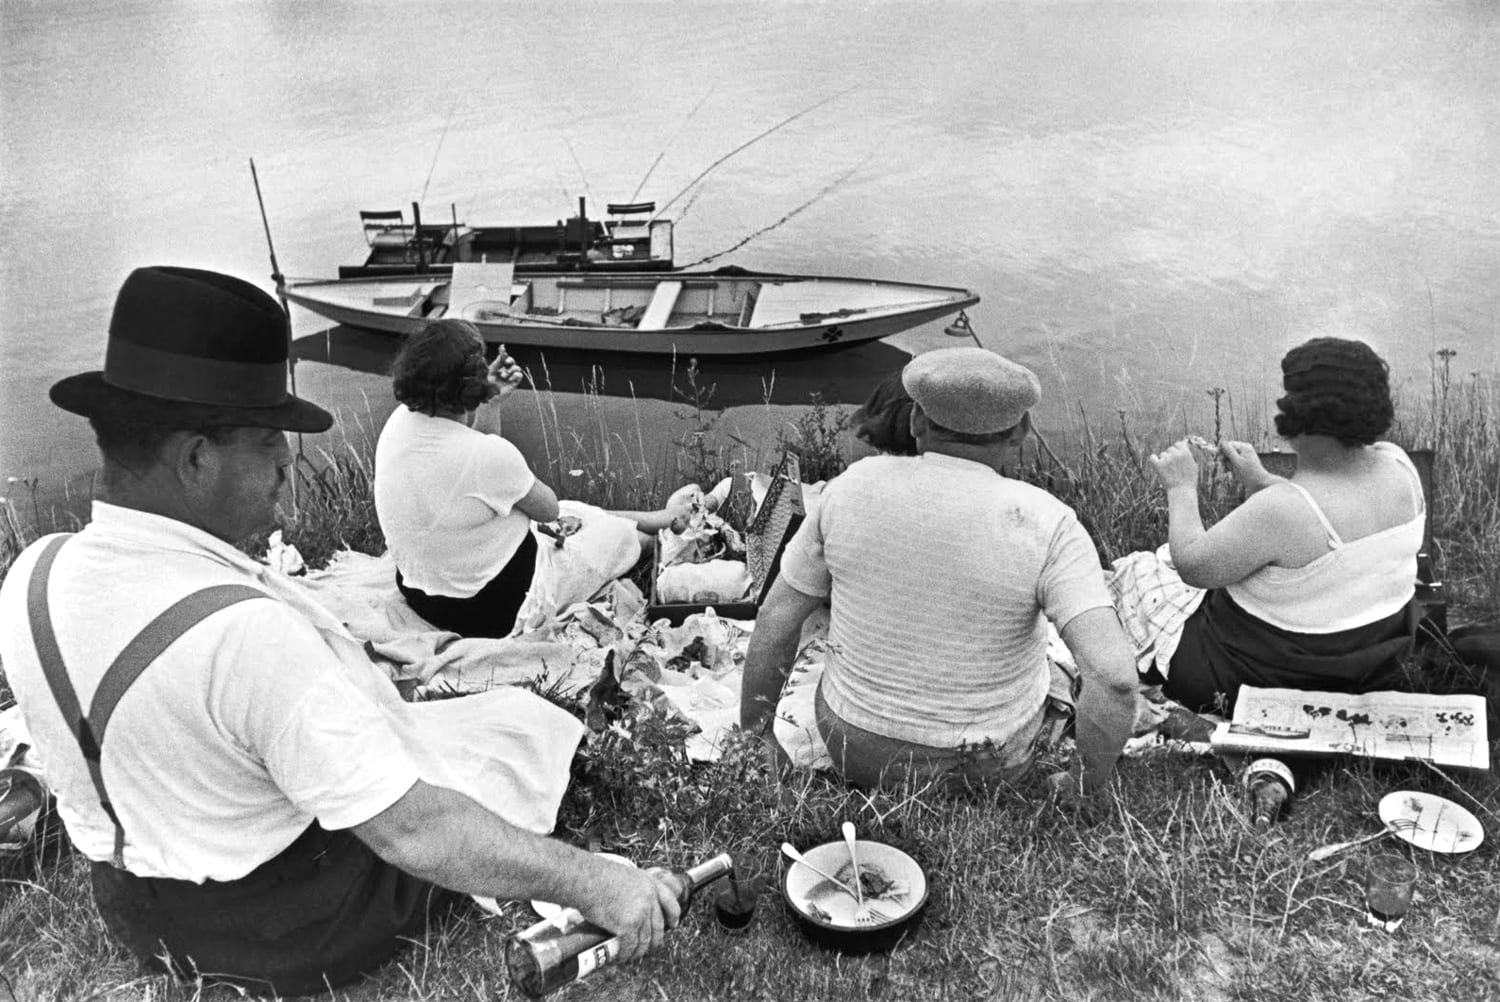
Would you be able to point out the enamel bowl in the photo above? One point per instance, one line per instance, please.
(895, 896)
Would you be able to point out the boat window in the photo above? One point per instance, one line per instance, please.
(748, 310)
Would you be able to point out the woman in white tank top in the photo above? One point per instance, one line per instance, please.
(1310, 581)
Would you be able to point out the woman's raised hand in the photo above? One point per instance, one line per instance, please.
(1175, 466)
(1246, 466)
(504, 373)
(681, 506)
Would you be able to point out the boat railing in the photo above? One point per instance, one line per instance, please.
(632, 282)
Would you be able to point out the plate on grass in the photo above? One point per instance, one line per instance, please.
(1428, 821)
(893, 884)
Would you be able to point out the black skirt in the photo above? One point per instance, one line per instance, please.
(1224, 647)
(322, 913)
(489, 612)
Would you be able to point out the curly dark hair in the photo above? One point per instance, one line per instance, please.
(884, 420)
(441, 369)
(1335, 387)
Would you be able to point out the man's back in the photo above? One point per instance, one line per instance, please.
(210, 756)
(939, 571)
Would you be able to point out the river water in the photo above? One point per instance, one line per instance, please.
(1152, 198)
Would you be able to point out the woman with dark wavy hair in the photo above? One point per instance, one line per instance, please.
(883, 421)
(1309, 583)
(457, 504)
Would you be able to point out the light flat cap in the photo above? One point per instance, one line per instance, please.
(971, 390)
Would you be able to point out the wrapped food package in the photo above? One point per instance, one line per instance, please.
(709, 582)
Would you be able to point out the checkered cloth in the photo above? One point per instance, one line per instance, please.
(1154, 603)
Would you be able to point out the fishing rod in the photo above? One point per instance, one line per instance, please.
(432, 168)
(746, 145)
(963, 327)
(447, 124)
(286, 310)
(701, 101)
(687, 206)
(827, 188)
(582, 175)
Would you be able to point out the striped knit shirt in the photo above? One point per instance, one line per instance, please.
(939, 573)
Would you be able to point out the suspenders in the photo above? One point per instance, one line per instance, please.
(158, 635)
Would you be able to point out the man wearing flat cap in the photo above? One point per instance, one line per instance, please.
(218, 743)
(940, 573)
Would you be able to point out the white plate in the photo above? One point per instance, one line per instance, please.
(826, 904)
(548, 910)
(1441, 825)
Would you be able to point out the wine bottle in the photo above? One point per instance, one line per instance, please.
(1271, 786)
(22, 794)
(568, 947)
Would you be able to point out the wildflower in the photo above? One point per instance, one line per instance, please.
(575, 473)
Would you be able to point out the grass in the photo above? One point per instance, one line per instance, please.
(1159, 891)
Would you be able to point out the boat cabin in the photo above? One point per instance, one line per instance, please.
(628, 239)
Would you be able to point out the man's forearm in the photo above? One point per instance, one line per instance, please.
(453, 841)
(1106, 709)
(1105, 718)
(768, 662)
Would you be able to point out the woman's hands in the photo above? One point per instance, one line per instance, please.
(1175, 466)
(504, 374)
(1246, 466)
(681, 505)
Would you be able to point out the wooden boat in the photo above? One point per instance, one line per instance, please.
(629, 238)
(725, 312)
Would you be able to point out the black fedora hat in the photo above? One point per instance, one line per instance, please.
(193, 348)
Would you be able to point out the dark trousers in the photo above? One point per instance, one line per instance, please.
(322, 913)
(491, 611)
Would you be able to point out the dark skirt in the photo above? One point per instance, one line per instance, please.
(322, 913)
(489, 612)
(1224, 647)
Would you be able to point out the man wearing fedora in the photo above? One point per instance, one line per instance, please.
(939, 572)
(214, 737)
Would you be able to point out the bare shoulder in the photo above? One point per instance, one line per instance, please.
(1277, 521)
(1278, 501)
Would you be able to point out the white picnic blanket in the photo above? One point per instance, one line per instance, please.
(563, 639)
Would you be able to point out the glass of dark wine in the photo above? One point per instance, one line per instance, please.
(734, 904)
(1389, 880)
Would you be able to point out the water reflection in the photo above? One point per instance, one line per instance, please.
(840, 374)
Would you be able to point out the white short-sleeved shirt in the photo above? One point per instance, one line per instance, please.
(940, 572)
(232, 741)
(445, 496)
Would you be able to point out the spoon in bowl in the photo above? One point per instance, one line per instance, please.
(797, 857)
(859, 891)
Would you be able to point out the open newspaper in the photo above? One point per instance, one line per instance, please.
(1444, 730)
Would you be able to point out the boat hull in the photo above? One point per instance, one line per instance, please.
(351, 303)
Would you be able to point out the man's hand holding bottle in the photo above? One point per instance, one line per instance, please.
(638, 906)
